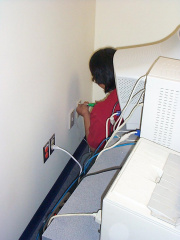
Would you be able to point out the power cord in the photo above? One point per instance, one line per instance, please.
(54, 147)
(96, 215)
(123, 138)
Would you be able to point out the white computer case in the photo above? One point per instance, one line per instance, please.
(126, 214)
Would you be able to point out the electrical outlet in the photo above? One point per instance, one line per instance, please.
(72, 119)
(79, 102)
(51, 143)
(46, 152)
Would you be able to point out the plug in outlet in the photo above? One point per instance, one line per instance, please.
(46, 152)
(72, 119)
(51, 143)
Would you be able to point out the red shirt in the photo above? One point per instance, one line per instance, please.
(100, 113)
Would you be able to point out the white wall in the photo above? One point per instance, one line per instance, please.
(44, 52)
(129, 22)
(45, 48)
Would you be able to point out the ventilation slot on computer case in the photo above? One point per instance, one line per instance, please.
(165, 116)
(125, 87)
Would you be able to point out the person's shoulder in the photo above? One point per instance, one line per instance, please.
(112, 96)
(113, 93)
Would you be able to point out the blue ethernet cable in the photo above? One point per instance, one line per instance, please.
(37, 238)
(95, 154)
(89, 161)
(100, 145)
(137, 134)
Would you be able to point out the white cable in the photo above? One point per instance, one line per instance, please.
(123, 138)
(117, 122)
(137, 105)
(129, 116)
(58, 148)
(123, 131)
(121, 116)
(96, 215)
(117, 130)
(107, 132)
(121, 126)
(111, 119)
(130, 97)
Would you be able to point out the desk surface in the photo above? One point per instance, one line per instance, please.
(87, 198)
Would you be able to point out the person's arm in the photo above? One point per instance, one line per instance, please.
(83, 110)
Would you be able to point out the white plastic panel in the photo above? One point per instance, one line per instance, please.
(165, 199)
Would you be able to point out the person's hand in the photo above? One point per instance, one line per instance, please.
(83, 109)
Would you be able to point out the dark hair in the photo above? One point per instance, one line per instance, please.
(101, 67)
